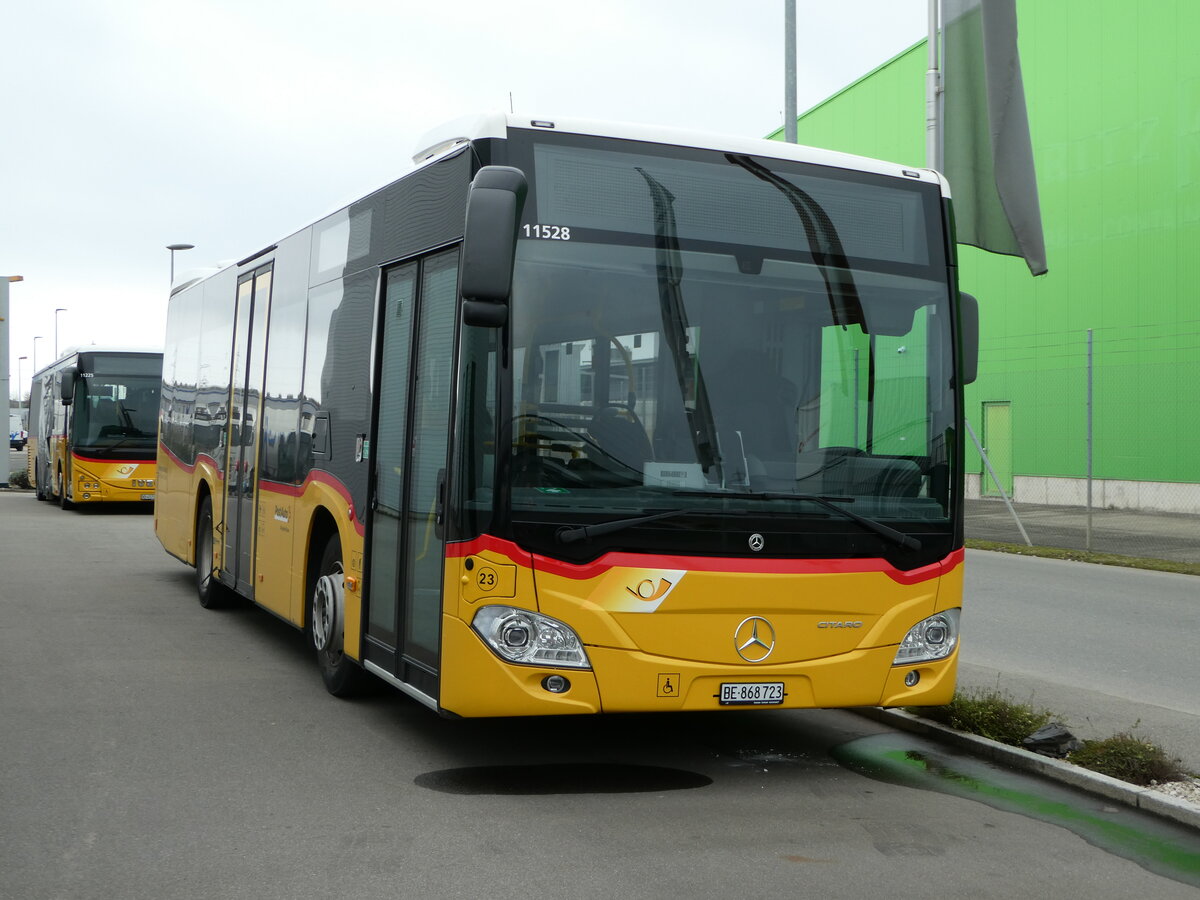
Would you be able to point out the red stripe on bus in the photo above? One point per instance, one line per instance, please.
(190, 468)
(276, 487)
(321, 477)
(494, 544)
(705, 563)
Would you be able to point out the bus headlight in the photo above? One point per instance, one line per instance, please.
(933, 638)
(521, 636)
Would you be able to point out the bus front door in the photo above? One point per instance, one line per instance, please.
(245, 402)
(406, 545)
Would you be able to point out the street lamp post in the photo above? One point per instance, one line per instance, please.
(20, 375)
(56, 312)
(5, 391)
(173, 248)
(35, 340)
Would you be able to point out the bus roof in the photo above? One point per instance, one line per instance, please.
(446, 138)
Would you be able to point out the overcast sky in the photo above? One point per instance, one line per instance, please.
(128, 125)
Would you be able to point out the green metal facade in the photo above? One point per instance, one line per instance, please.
(1113, 92)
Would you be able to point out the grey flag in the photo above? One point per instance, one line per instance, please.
(986, 150)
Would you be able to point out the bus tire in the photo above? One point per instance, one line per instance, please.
(327, 623)
(63, 502)
(209, 590)
(39, 486)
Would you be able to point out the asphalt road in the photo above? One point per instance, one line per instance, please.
(1107, 648)
(153, 749)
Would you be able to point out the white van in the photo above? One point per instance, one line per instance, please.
(17, 435)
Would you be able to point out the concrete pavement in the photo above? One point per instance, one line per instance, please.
(1169, 536)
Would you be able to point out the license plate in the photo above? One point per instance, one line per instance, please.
(147, 496)
(751, 693)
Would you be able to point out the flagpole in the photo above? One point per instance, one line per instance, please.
(933, 156)
(789, 71)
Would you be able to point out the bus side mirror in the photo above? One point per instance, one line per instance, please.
(968, 313)
(494, 206)
(66, 386)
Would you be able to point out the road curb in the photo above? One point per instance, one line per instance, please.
(1145, 799)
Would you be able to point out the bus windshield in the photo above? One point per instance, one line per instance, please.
(116, 413)
(706, 345)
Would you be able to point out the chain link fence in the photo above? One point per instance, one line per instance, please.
(1088, 440)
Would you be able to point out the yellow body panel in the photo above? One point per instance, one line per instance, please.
(638, 682)
(273, 548)
(176, 505)
(173, 516)
(317, 497)
(815, 615)
(285, 522)
(110, 481)
(662, 638)
(31, 449)
(475, 682)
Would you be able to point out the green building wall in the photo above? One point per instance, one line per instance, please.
(1113, 93)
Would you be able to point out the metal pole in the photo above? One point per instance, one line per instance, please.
(1003, 493)
(789, 71)
(1090, 375)
(933, 87)
(4, 363)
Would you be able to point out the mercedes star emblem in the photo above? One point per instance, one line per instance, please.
(754, 639)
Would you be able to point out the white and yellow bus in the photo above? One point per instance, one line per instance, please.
(93, 427)
(576, 418)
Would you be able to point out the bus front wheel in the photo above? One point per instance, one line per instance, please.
(327, 623)
(211, 592)
(63, 502)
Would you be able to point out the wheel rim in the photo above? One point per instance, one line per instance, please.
(326, 611)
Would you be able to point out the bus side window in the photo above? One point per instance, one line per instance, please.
(320, 436)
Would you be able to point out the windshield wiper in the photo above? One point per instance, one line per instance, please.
(571, 535)
(669, 272)
(823, 242)
(899, 537)
(127, 439)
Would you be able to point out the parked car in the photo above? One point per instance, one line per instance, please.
(17, 436)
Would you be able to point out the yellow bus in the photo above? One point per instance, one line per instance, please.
(580, 418)
(93, 420)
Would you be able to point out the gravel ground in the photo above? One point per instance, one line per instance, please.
(1181, 790)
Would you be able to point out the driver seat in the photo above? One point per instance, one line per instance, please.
(619, 443)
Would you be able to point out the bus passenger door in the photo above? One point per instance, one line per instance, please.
(245, 401)
(406, 545)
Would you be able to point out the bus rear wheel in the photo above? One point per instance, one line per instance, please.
(327, 623)
(211, 592)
